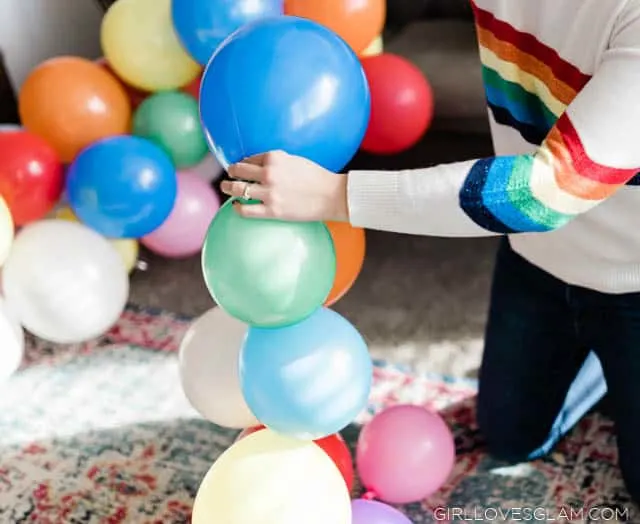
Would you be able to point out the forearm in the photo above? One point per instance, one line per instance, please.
(421, 201)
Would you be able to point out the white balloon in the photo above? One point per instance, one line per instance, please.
(65, 282)
(11, 342)
(209, 168)
(209, 369)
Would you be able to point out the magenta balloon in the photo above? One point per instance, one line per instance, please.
(373, 512)
(182, 233)
(405, 454)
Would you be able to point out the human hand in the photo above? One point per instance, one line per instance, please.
(288, 187)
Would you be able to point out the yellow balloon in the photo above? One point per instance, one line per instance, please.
(6, 231)
(267, 478)
(127, 247)
(140, 44)
(375, 48)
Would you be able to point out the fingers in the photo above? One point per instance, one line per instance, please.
(237, 189)
(264, 159)
(244, 171)
(252, 210)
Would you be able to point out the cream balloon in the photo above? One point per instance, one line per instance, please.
(208, 362)
(11, 342)
(141, 46)
(267, 478)
(65, 282)
(375, 48)
(6, 231)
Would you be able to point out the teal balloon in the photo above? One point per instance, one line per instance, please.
(267, 273)
(171, 120)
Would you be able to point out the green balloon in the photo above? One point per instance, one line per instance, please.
(171, 119)
(267, 273)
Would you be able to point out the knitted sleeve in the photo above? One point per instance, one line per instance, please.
(590, 152)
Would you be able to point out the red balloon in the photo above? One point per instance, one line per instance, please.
(333, 445)
(31, 176)
(401, 104)
(193, 88)
(336, 448)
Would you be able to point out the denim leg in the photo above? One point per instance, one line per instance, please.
(611, 324)
(532, 355)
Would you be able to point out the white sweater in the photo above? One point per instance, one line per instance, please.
(562, 80)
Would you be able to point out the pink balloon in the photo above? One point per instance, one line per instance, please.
(182, 233)
(405, 454)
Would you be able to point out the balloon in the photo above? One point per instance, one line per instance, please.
(65, 283)
(401, 104)
(202, 25)
(373, 512)
(338, 451)
(182, 233)
(349, 245)
(209, 369)
(140, 43)
(171, 120)
(405, 454)
(375, 48)
(11, 342)
(193, 88)
(358, 22)
(31, 176)
(307, 380)
(267, 478)
(320, 112)
(209, 169)
(6, 231)
(128, 248)
(136, 96)
(333, 445)
(71, 102)
(267, 273)
(123, 187)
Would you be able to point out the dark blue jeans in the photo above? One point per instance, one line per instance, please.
(541, 335)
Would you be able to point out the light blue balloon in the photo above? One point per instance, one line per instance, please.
(308, 380)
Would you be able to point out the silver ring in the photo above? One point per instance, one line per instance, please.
(246, 193)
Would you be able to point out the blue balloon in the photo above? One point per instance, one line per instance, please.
(308, 380)
(202, 25)
(122, 187)
(285, 83)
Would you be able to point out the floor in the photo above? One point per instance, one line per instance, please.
(420, 301)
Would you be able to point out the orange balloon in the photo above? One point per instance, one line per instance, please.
(349, 243)
(71, 103)
(358, 22)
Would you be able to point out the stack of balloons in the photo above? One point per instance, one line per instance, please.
(273, 359)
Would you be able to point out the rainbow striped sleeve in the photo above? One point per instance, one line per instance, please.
(542, 191)
(528, 89)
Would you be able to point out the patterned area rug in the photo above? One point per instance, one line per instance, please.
(101, 433)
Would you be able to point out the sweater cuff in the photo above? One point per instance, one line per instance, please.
(372, 198)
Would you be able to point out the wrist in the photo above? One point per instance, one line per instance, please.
(338, 204)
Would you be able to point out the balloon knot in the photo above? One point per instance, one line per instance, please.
(369, 495)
